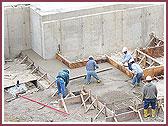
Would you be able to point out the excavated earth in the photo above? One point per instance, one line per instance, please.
(114, 90)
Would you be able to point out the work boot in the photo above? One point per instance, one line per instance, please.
(146, 114)
(132, 85)
(153, 113)
(87, 83)
(138, 84)
(98, 81)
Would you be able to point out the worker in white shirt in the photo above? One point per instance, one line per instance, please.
(137, 73)
(127, 57)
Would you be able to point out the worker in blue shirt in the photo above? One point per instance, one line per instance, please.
(126, 58)
(62, 81)
(137, 72)
(91, 66)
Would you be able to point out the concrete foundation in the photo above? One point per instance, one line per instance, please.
(83, 31)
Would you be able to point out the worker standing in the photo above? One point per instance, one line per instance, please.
(91, 66)
(62, 81)
(137, 73)
(127, 56)
(149, 91)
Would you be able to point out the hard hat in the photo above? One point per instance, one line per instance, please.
(148, 78)
(68, 70)
(90, 57)
(131, 60)
(124, 49)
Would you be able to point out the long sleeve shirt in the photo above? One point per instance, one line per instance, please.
(136, 68)
(149, 91)
(91, 65)
(64, 74)
(126, 57)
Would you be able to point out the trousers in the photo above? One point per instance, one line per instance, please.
(61, 86)
(89, 74)
(150, 101)
(137, 78)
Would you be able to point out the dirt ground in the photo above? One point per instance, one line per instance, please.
(114, 88)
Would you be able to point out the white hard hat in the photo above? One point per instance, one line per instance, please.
(124, 49)
(148, 78)
(90, 56)
(131, 60)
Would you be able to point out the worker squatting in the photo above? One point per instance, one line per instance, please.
(149, 89)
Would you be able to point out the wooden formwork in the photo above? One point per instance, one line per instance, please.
(154, 41)
(35, 68)
(157, 51)
(73, 65)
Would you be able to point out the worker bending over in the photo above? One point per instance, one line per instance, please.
(137, 73)
(149, 91)
(126, 58)
(62, 81)
(91, 66)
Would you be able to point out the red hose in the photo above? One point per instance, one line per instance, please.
(42, 104)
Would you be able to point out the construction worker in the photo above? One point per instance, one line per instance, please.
(149, 91)
(90, 67)
(62, 81)
(126, 58)
(137, 73)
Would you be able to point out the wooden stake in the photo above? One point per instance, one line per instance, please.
(54, 93)
(83, 102)
(34, 70)
(140, 116)
(96, 103)
(90, 105)
(51, 84)
(64, 103)
(141, 60)
(99, 113)
(23, 59)
(90, 100)
(105, 111)
(83, 87)
(86, 100)
(30, 65)
(41, 77)
(145, 61)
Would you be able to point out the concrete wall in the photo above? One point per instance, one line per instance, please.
(51, 16)
(104, 33)
(16, 30)
(83, 32)
(36, 31)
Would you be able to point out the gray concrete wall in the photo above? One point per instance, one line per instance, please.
(51, 16)
(36, 31)
(104, 33)
(16, 30)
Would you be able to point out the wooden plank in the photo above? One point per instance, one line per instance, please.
(153, 71)
(141, 60)
(86, 100)
(83, 75)
(140, 116)
(30, 65)
(147, 56)
(83, 102)
(118, 66)
(41, 77)
(72, 100)
(24, 59)
(98, 113)
(51, 84)
(154, 51)
(64, 103)
(34, 70)
(133, 109)
(90, 105)
(63, 60)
